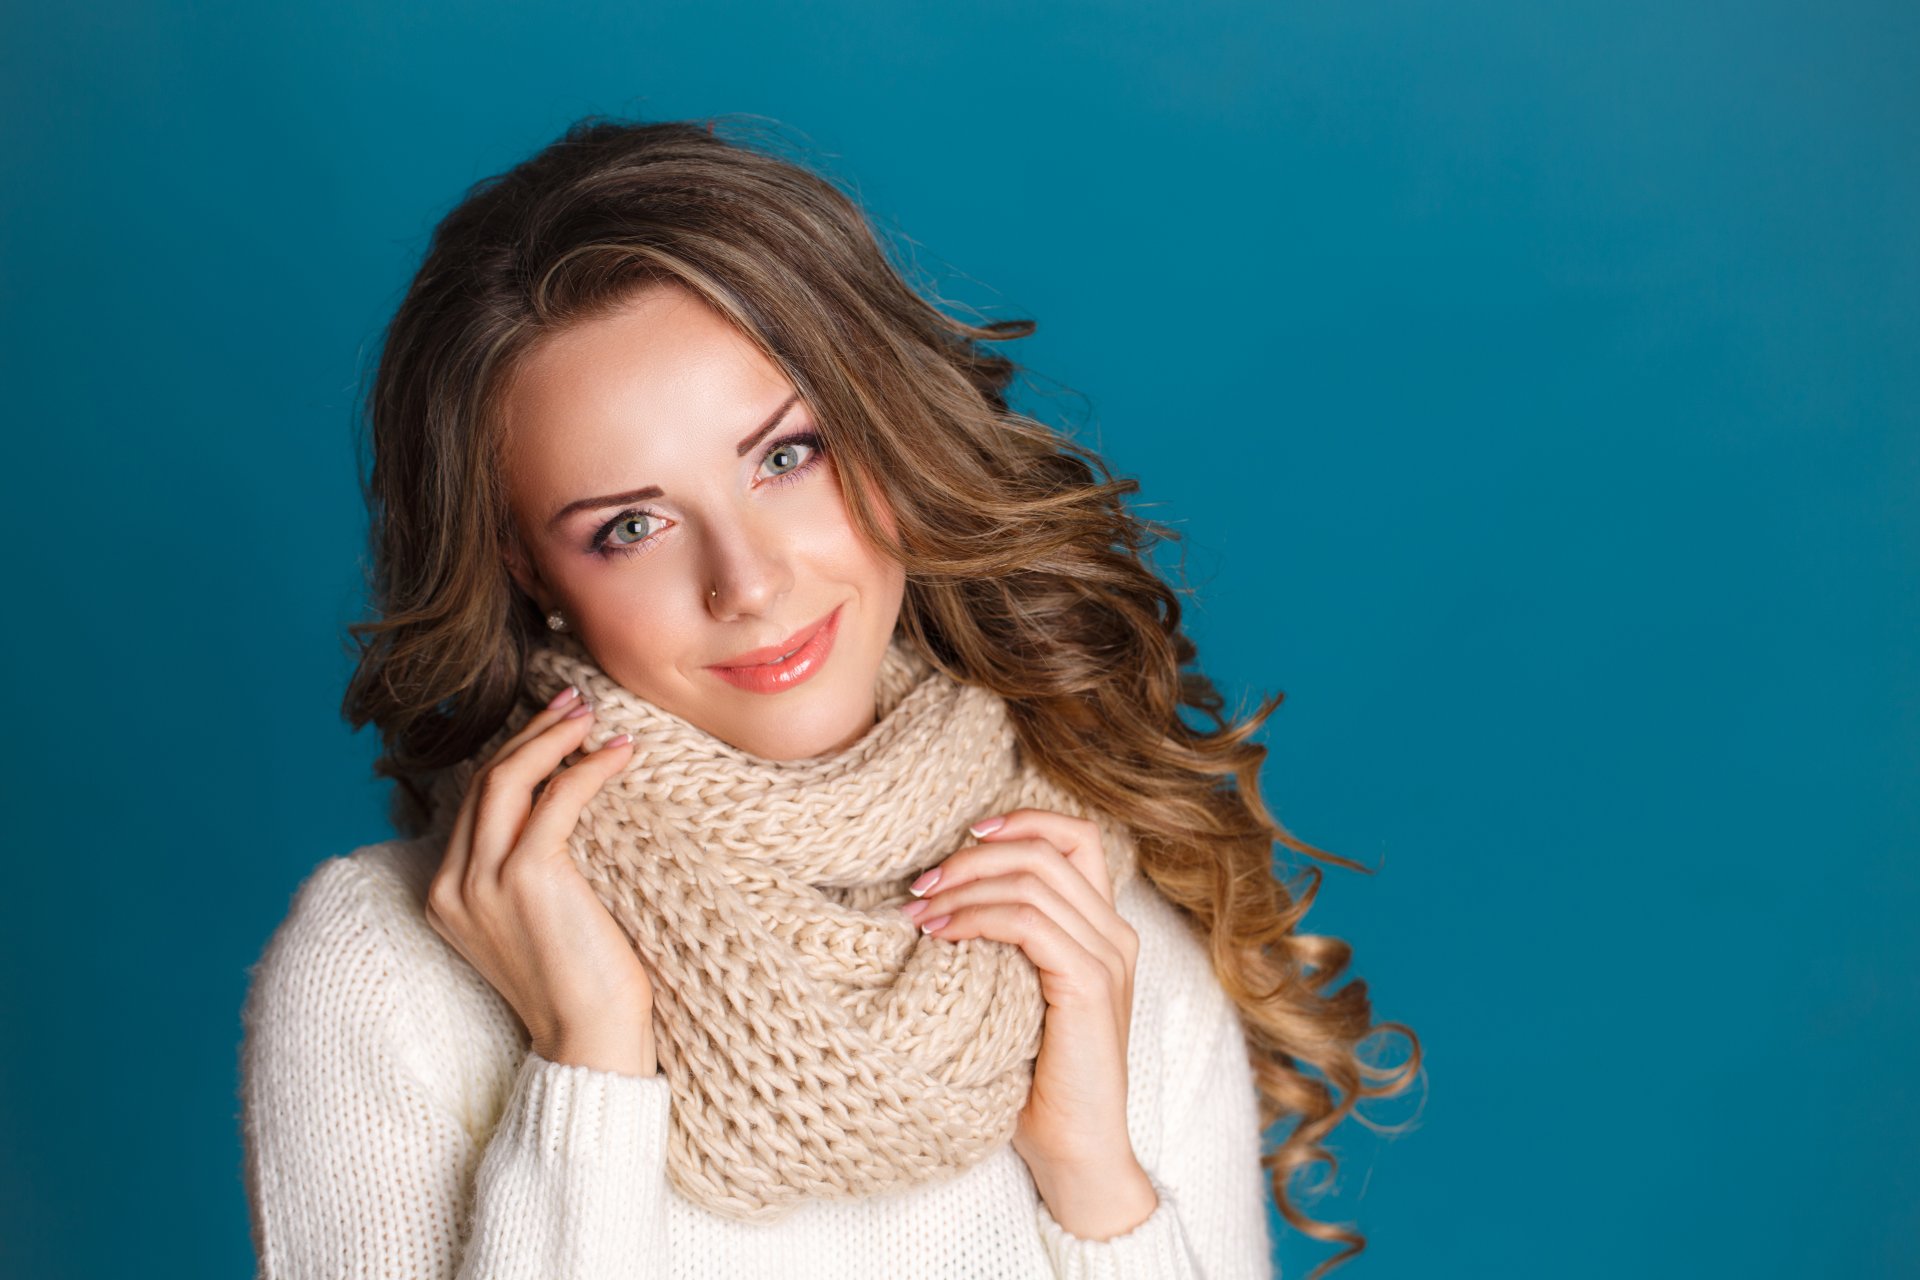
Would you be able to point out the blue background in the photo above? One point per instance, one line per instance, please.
(1536, 387)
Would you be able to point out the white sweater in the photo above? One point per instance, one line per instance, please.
(395, 1123)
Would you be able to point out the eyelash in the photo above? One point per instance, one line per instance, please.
(602, 546)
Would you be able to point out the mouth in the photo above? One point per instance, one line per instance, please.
(776, 652)
(781, 666)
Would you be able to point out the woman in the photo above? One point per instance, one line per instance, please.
(804, 868)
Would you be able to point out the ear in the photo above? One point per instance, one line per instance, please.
(525, 574)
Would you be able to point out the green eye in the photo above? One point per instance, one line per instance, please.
(788, 447)
(632, 532)
(625, 522)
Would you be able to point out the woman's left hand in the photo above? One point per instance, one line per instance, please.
(1039, 881)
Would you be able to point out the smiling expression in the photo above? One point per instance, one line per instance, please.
(654, 456)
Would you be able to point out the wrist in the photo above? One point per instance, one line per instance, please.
(1098, 1202)
(627, 1052)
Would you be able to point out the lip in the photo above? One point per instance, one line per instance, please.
(754, 656)
(810, 644)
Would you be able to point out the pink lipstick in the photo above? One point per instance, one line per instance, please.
(805, 653)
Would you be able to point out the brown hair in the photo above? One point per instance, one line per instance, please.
(1025, 573)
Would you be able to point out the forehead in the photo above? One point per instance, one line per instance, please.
(665, 365)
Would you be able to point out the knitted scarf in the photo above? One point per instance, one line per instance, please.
(817, 1044)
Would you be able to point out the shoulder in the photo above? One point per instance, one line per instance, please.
(352, 907)
(1183, 1022)
(356, 965)
(1174, 965)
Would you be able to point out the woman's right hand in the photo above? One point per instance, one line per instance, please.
(509, 898)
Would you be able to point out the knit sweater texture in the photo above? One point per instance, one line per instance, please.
(817, 1043)
(395, 1122)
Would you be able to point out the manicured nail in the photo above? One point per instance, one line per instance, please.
(619, 740)
(585, 708)
(565, 695)
(912, 909)
(986, 825)
(919, 887)
(930, 925)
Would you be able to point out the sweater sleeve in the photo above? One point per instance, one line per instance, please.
(356, 1166)
(1211, 1222)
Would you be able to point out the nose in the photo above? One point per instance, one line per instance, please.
(751, 573)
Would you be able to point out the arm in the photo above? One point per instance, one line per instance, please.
(1156, 1249)
(1211, 1221)
(354, 1165)
(574, 1179)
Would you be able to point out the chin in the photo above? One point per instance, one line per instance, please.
(774, 735)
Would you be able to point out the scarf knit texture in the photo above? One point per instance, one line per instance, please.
(816, 1043)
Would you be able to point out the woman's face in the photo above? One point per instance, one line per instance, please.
(675, 534)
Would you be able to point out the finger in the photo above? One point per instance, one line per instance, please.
(1077, 838)
(505, 790)
(453, 863)
(1002, 917)
(563, 702)
(557, 812)
(449, 883)
(1024, 883)
(1004, 865)
(1070, 973)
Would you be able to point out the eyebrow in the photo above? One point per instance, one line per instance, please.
(754, 437)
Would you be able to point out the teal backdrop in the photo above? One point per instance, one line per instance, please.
(1535, 387)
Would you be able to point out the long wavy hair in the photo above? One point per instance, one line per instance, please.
(1025, 572)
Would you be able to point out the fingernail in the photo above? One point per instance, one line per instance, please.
(619, 740)
(912, 909)
(583, 709)
(930, 925)
(927, 880)
(986, 825)
(563, 696)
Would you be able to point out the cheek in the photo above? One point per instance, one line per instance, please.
(852, 550)
(645, 605)
(882, 511)
(649, 644)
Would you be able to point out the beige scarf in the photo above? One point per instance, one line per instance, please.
(816, 1043)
